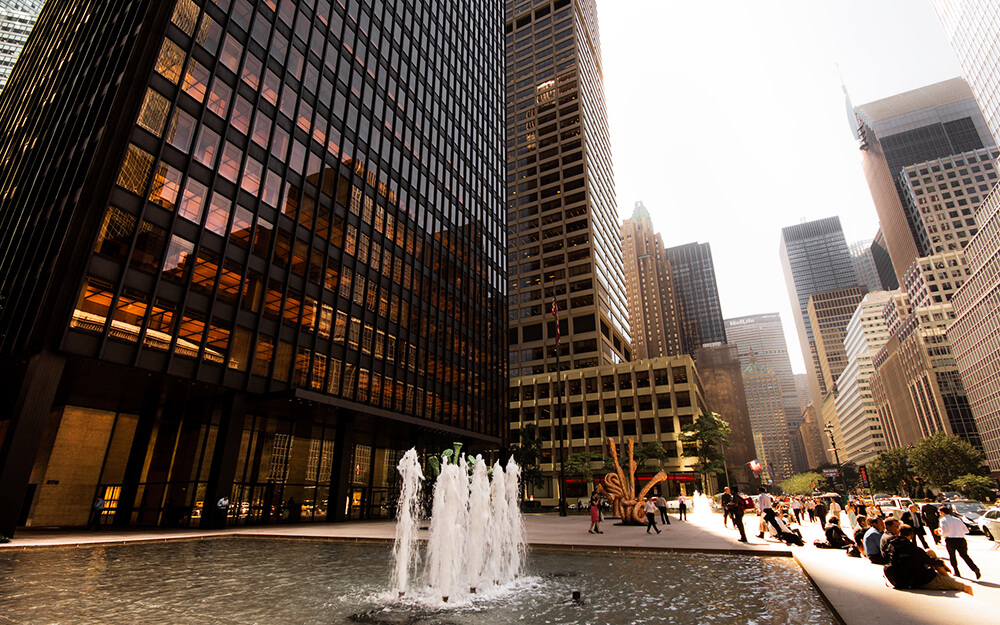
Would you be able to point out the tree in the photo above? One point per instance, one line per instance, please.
(978, 487)
(704, 440)
(527, 454)
(888, 472)
(940, 459)
(802, 483)
(650, 451)
(578, 464)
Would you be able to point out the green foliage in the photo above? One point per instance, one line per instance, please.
(888, 473)
(802, 483)
(649, 454)
(528, 454)
(941, 459)
(578, 464)
(704, 440)
(978, 487)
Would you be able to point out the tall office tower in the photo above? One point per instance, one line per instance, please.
(562, 223)
(17, 17)
(867, 332)
(815, 258)
(721, 375)
(883, 263)
(812, 437)
(802, 388)
(697, 295)
(935, 279)
(917, 126)
(767, 417)
(286, 269)
(829, 314)
(975, 333)
(973, 28)
(864, 265)
(761, 338)
(652, 308)
(941, 197)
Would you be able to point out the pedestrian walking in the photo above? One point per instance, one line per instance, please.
(682, 508)
(96, 512)
(650, 509)
(797, 509)
(595, 514)
(914, 519)
(735, 508)
(953, 531)
(811, 509)
(661, 505)
(929, 514)
(724, 500)
(765, 506)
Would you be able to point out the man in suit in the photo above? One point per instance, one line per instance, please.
(931, 521)
(913, 518)
(724, 501)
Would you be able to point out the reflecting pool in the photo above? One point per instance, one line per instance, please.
(245, 581)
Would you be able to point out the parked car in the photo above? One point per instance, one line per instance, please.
(894, 507)
(969, 512)
(949, 496)
(993, 514)
(992, 528)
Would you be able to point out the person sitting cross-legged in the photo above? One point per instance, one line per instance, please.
(909, 566)
(835, 536)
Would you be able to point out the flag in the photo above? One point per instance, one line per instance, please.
(755, 467)
(555, 313)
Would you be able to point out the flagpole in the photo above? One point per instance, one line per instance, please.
(563, 511)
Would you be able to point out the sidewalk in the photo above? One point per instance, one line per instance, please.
(853, 587)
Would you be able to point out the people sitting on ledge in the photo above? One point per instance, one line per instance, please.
(909, 566)
(873, 538)
(891, 529)
(859, 533)
(835, 536)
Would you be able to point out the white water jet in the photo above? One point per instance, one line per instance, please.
(479, 520)
(404, 549)
(476, 532)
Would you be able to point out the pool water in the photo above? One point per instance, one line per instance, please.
(248, 581)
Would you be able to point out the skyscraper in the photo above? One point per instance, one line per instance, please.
(867, 332)
(761, 339)
(864, 265)
(17, 17)
(883, 263)
(973, 27)
(829, 314)
(652, 308)
(697, 295)
(767, 417)
(915, 127)
(562, 225)
(287, 268)
(815, 258)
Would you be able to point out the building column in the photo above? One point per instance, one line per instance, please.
(224, 457)
(29, 411)
(137, 456)
(340, 476)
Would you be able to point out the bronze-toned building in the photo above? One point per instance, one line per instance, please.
(251, 251)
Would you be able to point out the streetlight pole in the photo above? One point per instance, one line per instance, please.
(836, 457)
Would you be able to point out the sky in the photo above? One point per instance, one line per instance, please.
(728, 121)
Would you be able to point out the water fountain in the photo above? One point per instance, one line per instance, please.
(476, 533)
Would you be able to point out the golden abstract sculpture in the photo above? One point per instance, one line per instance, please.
(624, 503)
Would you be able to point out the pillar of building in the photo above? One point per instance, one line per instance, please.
(340, 476)
(29, 410)
(226, 453)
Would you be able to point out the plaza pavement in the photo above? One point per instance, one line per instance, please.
(854, 588)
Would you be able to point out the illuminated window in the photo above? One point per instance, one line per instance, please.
(153, 114)
(354, 333)
(196, 80)
(209, 34)
(242, 112)
(283, 361)
(92, 306)
(229, 281)
(263, 355)
(207, 147)
(252, 172)
(231, 51)
(239, 232)
(206, 270)
(340, 327)
(135, 170)
(178, 259)
(217, 342)
(148, 247)
(261, 129)
(325, 320)
(116, 234)
(336, 368)
(229, 166)
(366, 341)
(185, 16)
(218, 100)
(193, 201)
(170, 62)
(218, 214)
(190, 334)
(309, 314)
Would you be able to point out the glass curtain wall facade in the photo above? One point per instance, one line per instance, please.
(295, 246)
(693, 275)
(16, 20)
(562, 227)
